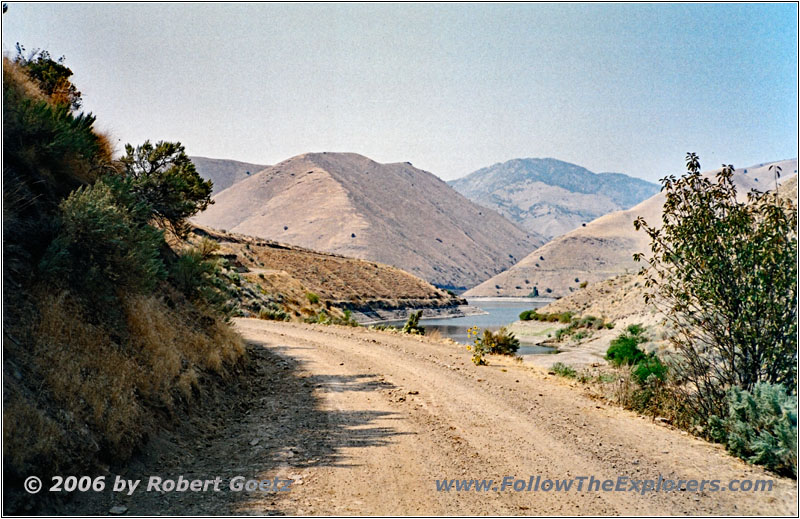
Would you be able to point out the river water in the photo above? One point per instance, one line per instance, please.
(499, 313)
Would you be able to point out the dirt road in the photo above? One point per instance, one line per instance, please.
(365, 422)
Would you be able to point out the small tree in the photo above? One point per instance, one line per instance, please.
(163, 177)
(724, 272)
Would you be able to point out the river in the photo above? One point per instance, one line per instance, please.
(498, 313)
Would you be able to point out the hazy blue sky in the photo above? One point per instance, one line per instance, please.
(450, 88)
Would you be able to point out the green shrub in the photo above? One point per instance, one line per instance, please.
(624, 350)
(100, 249)
(199, 277)
(761, 427)
(501, 342)
(649, 366)
(273, 312)
(562, 370)
(383, 327)
(412, 324)
(312, 298)
(722, 269)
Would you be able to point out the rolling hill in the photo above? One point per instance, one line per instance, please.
(223, 172)
(396, 214)
(549, 196)
(603, 248)
(279, 277)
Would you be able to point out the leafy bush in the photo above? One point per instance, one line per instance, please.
(501, 342)
(412, 324)
(533, 315)
(51, 75)
(562, 370)
(323, 317)
(649, 366)
(198, 276)
(100, 249)
(724, 273)
(761, 427)
(624, 350)
(384, 327)
(273, 312)
(312, 298)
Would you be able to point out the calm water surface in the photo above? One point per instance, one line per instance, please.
(499, 313)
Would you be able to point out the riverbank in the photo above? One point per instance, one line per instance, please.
(380, 315)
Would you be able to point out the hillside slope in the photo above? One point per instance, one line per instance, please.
(223, 172)
(302, 283)
(603, 248)
(392, 213)
(550, 196)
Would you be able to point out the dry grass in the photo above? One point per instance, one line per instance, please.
(14, 76)
(105, 388)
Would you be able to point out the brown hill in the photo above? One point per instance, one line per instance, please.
(223, 172)
(602, 248)
(392, 213)
(302, 282)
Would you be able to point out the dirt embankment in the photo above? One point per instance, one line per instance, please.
(365, 422)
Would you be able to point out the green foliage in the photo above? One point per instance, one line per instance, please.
(163, 177)
(56, 150)
(323, 317)
(761, 427)
(533, 315)
(100, 248)
(384, 327)
(501, 342)
(312, 298)
(562, 370)
(724, 273)
(197, 274)
(273, 312)
(624, 350)
(649, 366)
(412, 324)
(51, 75)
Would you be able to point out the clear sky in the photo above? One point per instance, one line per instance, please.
(448, 87)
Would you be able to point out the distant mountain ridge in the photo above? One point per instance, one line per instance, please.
(604, 248)
(391, 213)
(224, 172)
(550, 196)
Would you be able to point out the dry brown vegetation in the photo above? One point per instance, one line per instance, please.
(84, 383)
(286, 274)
